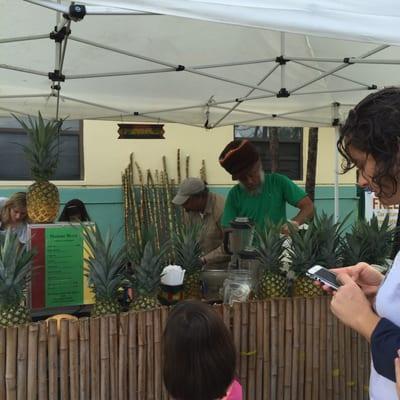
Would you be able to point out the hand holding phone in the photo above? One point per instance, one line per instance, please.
(323, 275)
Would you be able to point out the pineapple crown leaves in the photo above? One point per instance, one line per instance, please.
(43, 149)
(188, 252)
(106, 265)
(270, 251)
(146, 275)
(15, 267)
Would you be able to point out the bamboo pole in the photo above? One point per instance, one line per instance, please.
(149, 355)
(226, 316)
(203, 172)
(84, 359)
(94, 326)
(252, 351)
(178, 166)
(329, 351)
(157, 354)
(347, 344)
(42, 362)
(274, 349)
(73, 345)
(11, 363)
(360, 368)
(323, 349)
(104, 359)
(22, 362)
(132, 356)
(316, 347)
(2, 362)
(123, 357)
(267, 349)
(187, 164)
(335, 359)
(155, 209)
(342, 364)
(309, 350)
(281, 348)
(302, 350)
(296, 348)
(288, 349)
(260, 350)
(64, 362)
(164, 318)
(366, 370)
(142, 355)
(53, 359)
(113, 343)
(354, 365)
(244, 346)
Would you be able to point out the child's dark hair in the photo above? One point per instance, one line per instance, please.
(74, 207)
(373, 126)
(199, 354)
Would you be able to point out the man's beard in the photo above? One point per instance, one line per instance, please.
(256, 191)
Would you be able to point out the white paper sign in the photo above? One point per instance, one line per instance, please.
(373, 206)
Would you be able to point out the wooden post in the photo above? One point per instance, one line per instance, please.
(329, 351)
(2, 363)
(281, 347)
(288, 349)
(64, 360)
(354, 365)
(335, 359)
(94, 325)
(123, 357)
(73, 359)
(316, 351)
(236, 333)
(308, 374)
(132, 357)
(260, 350)
(22, 362)
(149, 355)
(113, 343)
(157, 354)
(32, 372)
(274, 148)
(296, 347)
(342, 358)
(84, 359)
(244, 347)
(43, 364)
(302, 350)
(164, 318)
(312, 162)
(104, 359)
(142, 355)
(274, 349)
(252, 351)
(53, 359)
(267, 349)
(11, 363)
(323, 349)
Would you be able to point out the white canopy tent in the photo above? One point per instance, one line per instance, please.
(204, 63)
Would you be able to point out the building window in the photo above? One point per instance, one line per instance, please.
(14, 166)
(290, 157)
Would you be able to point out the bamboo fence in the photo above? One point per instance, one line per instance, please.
(290, 348)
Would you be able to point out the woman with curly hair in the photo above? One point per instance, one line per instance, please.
(368, 301)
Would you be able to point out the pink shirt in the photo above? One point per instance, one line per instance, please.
(234, 391)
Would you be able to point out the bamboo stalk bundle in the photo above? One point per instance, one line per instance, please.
(94, 326)
(266, 350)
(142, 355)
(142, 204)
(42, 362)
(178, 166)
(288, 350)
(64, 370)
(11, 363)
(132, 356)
(53, 359)
(316, 347)
(32, 372)
(252, 351)
(187, 165)
(123, 356)
(84, 359)
(274, 350)
(135, 203)
(22, 361)
(73, 344)
(2, 362)
(281, 347)
(113, 343)
(105, 393)
(157, 354)
(155, 211)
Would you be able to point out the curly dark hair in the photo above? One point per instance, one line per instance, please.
(373, 127)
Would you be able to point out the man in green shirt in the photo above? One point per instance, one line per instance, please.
(260, 196)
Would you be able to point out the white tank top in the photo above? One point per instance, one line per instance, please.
(387, 305)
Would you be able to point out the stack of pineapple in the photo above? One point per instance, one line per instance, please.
(42, 198)
(188, 255)
(15, 266)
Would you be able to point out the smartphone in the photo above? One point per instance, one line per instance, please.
(324, 275)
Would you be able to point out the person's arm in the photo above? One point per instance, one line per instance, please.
(385, 341)
(306, 211)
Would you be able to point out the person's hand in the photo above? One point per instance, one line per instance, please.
(366, 277)
(351, 306)
(285, 228)
(397, 368)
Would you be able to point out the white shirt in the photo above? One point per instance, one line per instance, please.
(387, 305)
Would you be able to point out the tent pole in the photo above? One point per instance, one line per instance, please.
(335, 123)
(283, 66)
(20, 69)
(24, 38)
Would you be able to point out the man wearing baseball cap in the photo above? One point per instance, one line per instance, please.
(204, 208)
(259, 195)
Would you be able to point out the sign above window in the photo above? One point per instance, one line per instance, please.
(141, 131)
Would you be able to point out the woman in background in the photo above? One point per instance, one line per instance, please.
(74, 211)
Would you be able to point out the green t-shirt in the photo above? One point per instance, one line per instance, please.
(277, 190)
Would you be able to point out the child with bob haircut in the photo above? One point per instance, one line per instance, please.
(199, 355)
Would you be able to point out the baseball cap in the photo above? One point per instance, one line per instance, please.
(187, 188)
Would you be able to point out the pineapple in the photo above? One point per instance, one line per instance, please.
(15, 265)
(318, 245)
(147, 276)
(188, 252)
(42, 198)
(273, 282)
(106, 270)
(368, 242)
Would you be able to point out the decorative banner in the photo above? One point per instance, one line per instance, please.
(58, 274)
(373, 206)
(141, 131)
